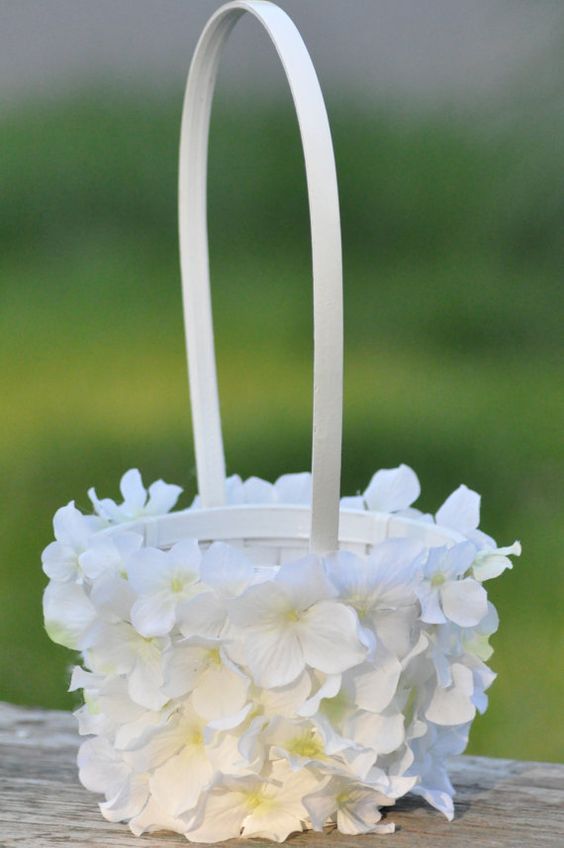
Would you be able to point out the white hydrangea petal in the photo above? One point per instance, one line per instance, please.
(260, 606)
(394, 628)
(127, 543)
(162, 497)
(392, 489)
(223, 816)
(99, 558)
(109, 555)
(442, 663)
(68, 614)
(83, 679)
(129, 801)
(113, 649)
(176, 786)
(257, 491)
(287, 700)
(490, 566)
(375, 686)
(359, 814)
(60, 562)
(305, 581)
(490, 563)
(203, 615)
(72, 527)
(328, 634)
(275, 824)
(460, 511)
(274, 656)
(232, 721)
(392, 564)
(458, 559)
(321, 805)
(335, 742)
(348, 574)
(453, 705)
(182, 667)
(147, 570)
(113, 597)
(251, 743)
(133, 491)
(328, 689)
(418, 648)
(100, 768)
(129, 733)
(293, 488)
(159, 743)
(234, 493)
(219, 693)
(295, 740)
(381, 734)
(153, 818)
(431, 610)
(490, 623)
(107, 509)
(283, 811)
(113, 699)
(226, 569)
(154, 615)
(186, 556)
(145, 681)
(89, 721)
(464, 601)
(438, 799)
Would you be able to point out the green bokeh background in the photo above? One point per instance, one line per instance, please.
(453, 252)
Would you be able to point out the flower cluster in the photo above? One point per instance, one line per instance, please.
(224, 699)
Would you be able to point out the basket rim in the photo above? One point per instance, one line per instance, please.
(285, 523)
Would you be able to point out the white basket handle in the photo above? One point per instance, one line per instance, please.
(326, 261)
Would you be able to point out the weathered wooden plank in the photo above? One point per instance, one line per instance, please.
(500, 803)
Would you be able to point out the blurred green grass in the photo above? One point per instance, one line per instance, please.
(453, 253)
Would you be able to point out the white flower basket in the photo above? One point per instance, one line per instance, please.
(271, 659)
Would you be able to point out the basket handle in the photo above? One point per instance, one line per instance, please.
(326, 262)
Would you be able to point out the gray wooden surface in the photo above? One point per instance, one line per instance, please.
(499, 802)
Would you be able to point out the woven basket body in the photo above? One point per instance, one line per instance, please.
(272, 658)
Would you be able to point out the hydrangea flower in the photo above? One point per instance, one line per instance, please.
(392, 489)
(445, 593)
(269, 807)
(73, 531)
(137, 501)
(288, 489)
(353, 807)
(227, 698)
(292, 622)
(162, 581)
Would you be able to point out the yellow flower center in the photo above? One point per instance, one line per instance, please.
(195, 737)
(438, 579)
(361, 604)
(258, 800)
(306, 746)
(214, 657)
(292, 615)
(177, 584)
(254, 799)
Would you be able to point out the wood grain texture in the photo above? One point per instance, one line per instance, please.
(500, 803)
